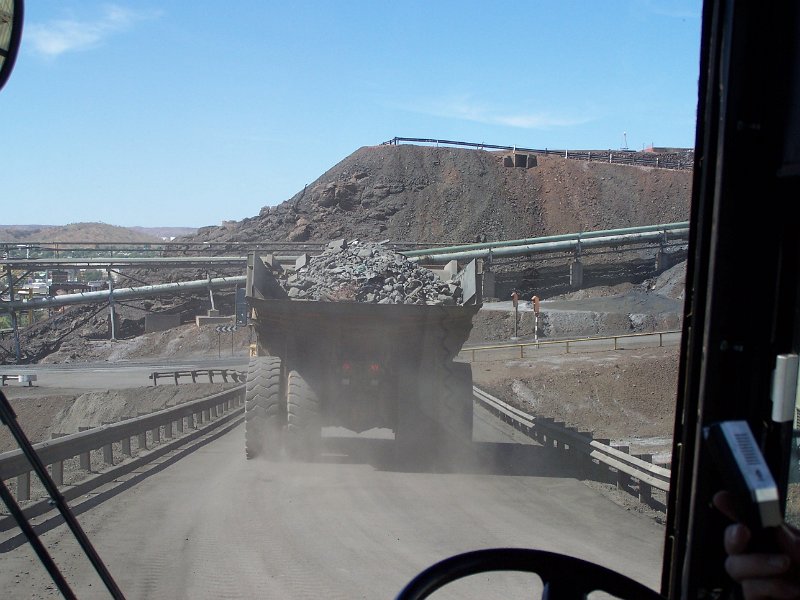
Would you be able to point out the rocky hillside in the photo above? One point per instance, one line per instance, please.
(429, 195)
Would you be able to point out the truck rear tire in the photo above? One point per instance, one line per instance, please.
(457, 403)
(435, 421)
(304, 422)
(263, 410)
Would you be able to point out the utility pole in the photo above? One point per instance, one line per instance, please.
(14, 323)
(515, 302)
(111, 310)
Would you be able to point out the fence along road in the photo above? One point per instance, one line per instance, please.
(571, 345)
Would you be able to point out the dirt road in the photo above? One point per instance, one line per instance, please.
(214, 525)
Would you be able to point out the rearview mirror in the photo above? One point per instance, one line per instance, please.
(11, 12)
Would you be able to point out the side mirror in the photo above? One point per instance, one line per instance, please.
(11, 12)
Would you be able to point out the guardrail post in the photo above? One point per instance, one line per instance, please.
(156, 432)
(615, 342)
(24, 486)
(85, 459)
(567, 344)
(168, 430)
(601, 472)
(194, 376)
(660, 339)
(108, 454)
(210, 376)
(175, 375)
(57, 468)
(623, 479)
(179, 425)
(645, 489)
(583, 462)
(126, 446)
(57, 472)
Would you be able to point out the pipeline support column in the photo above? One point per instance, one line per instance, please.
(14, 323)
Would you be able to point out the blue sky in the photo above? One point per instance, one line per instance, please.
(180, 113)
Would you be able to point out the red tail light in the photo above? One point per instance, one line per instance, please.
(347, 367)
(374, 368)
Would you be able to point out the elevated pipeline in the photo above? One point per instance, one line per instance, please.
(585, 235)
(573, 244)
(102, 296)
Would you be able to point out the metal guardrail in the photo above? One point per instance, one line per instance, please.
(235, 375)
(160, 423)
(566, 343)
(28, 378)
(595, 457)
(624, 157)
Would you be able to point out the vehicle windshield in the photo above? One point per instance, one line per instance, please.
(298, 300)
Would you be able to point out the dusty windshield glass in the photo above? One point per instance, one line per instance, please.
(297, 301)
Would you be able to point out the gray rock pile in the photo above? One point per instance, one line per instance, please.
(368, 272)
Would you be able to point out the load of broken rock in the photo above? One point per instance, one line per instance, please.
(368, 272)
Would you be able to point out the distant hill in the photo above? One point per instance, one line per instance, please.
(88, 232)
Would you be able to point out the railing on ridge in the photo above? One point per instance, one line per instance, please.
(672, 160)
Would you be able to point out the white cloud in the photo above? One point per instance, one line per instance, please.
(69, 35)
(468, 110)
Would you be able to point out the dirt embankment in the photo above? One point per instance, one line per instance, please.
(627, 396)
(434, 195)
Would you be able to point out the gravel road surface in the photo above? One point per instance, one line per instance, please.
(214, 525)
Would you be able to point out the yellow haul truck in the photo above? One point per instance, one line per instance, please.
(356, 365)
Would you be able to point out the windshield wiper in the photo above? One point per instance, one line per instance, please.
(9, 419)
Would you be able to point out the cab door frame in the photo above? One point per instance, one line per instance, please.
(743, 269)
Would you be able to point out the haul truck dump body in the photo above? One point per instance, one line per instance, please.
(355, 365)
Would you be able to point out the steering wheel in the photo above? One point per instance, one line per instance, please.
(564, 577)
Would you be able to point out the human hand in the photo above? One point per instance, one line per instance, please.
(761, 575)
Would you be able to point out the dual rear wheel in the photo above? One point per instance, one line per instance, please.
(282, 412)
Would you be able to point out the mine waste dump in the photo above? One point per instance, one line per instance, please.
(369, 273)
